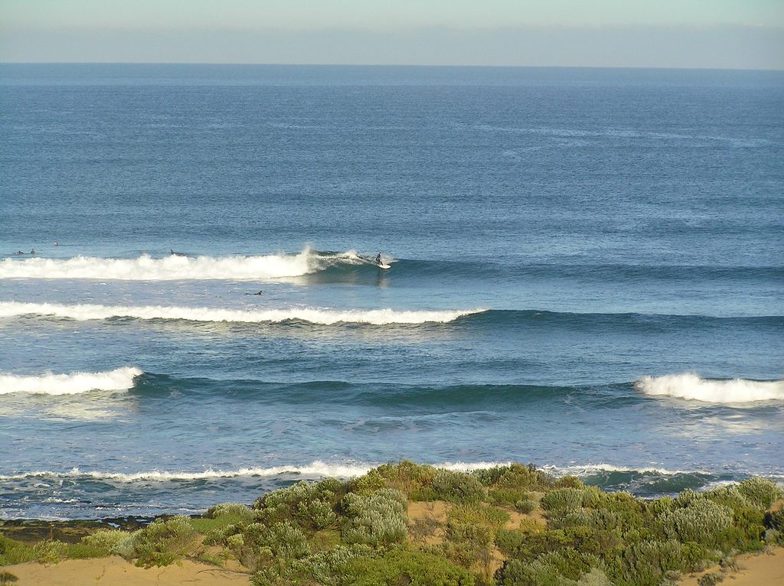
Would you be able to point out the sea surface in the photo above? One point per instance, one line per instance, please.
(586, 273)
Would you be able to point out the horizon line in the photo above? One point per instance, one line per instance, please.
(399, 65)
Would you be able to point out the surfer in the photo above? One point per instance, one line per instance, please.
(379, 262)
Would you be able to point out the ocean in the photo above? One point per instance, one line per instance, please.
(585, 274)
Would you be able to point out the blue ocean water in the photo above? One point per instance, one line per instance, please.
(586, 274)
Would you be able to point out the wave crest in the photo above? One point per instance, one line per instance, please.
(178, 267)
(120, 379)
(83, 312)
(693, 387)
(315, 469)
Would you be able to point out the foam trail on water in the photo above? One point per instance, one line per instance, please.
(120, 379)
(691, 386)
(82, 312)
(314, 469)
(173, 267)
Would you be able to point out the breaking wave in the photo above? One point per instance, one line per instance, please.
(81, 312)
(315, 469)
(691, 386)
(179, 267)
(120, 379)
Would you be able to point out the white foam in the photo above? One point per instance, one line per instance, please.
(692, 387)
(173, 267)
(120, 379)
(83, 312)
(316, 469)
(590, 469)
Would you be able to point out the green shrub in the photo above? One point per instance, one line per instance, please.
(329, 568)
(527, 546)
(563, 499)
(702, 521)
(563, 567)
(162, 542)
(647, 563)
(710, 579)
(105, 541)
(318, 513)
(14, 552)
(50, 552)
(515, 476)
(404, 566)
(760, 492)
(525, 506)
(377, 519)
(308, 504)
(283, 540)
(457, 487)
(413, 480)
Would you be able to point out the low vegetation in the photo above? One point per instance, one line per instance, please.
(412, 524)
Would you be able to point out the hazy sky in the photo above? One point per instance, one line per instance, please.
(648, 33)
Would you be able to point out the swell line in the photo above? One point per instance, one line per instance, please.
(85, 312)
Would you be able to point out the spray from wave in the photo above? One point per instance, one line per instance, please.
(692, 387)
(178, 267)
(120, 379)
(81, 312)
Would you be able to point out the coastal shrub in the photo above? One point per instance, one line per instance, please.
(457, 487)
(470, 533)
(413, 480)
(404, 566)
(308, 504)
(648, 563)
(467, 544)
(317, 513)
(728, 496)
(562, 499)
(104, 541)
(710, 579)
(377, 519)
(525, 506)
(703, 521)
(760, 492)
(328, 568)
(515, 476)
(15, 552)
(556, 568)
(283, 540)
(163, 542)
(50, 551)
(527, 546)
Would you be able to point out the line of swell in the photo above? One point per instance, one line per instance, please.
(685, 386)
(119, 379)
(84, 312)
(314, 469)
(319, 468)
(179, 266)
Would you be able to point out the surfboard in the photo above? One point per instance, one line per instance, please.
(384, 266)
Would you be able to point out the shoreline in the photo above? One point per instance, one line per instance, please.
(414, 522)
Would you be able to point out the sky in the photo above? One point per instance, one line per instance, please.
(735, 34)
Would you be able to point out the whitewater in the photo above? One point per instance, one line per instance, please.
(177, 266)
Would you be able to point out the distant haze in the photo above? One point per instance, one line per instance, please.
(601, 33)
